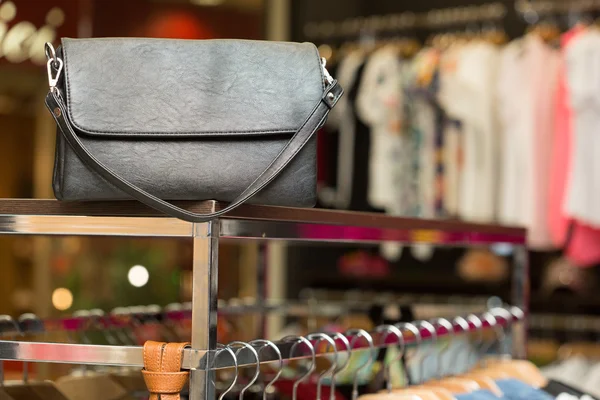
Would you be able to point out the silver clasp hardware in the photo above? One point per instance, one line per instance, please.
(328, 77)
(54, 66)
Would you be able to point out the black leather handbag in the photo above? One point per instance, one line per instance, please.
(161, 120)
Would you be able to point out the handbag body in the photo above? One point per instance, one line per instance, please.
(161, 120)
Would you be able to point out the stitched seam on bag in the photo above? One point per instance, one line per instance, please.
(186, 133)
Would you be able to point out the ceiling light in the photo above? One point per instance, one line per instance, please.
(62, 299)
(138, 276)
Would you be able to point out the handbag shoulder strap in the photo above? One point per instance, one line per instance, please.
(313, 122)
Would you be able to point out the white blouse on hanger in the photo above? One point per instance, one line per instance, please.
(516, 163)
(467, 94)
(583, 78)
(526, 96)
(379, 104)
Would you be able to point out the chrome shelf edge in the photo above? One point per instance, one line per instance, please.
(61, 353)
(94, 226)
(311, 232)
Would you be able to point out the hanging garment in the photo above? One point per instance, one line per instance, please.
(526, 92)
(477, 69)
(561, 149)
(571, 371)
(426, 121)
(591, 383)
(580, 241)
(582, 248)
(583, 78)
(450, 99)
(467, 94)
(514, 389)
(543, 66)
(561, 391)
(477, 395)
(516, 168)
(342, 119)
(380, 105)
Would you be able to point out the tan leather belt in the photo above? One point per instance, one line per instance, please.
(162, 370)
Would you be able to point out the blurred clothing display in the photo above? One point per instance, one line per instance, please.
(481, 132)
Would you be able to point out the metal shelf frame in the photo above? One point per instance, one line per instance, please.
(131, 219)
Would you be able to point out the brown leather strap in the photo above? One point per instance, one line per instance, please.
(162, 370)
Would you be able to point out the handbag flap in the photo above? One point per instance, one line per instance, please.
(164, 87)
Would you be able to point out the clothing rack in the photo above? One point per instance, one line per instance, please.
(569, 323)
(124, 317)
(378, 297)
(193, 359)
(545, 7)
(248, 222)
(433, 19)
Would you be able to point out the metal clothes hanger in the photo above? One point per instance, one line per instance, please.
(481, 367)
(484, 367)
(357, 334)
(526, 369)
(172, 325)
(130, 379)
(432, 331)
(498, 368)
(265, 344)
(19, 390)
(96, 316)
(84, 315)
(319, 337)
(6, 319)
(301, 340)
(418, 339)
(340, 368)
(465, 327)
(422, 391)
(235, 366)
(453, 384)
(484, 382)
(43, 389)
(476, 350)
(244, 345)
(85, 382)
(122, 334)
(391, 330)
(153, 312)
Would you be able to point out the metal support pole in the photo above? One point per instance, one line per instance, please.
(520, 298)
(204, 304)
(261, 287)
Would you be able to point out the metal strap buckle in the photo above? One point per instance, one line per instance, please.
(328, 77)
(54, 66)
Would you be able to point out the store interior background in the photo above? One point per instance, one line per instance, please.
(58, 276)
